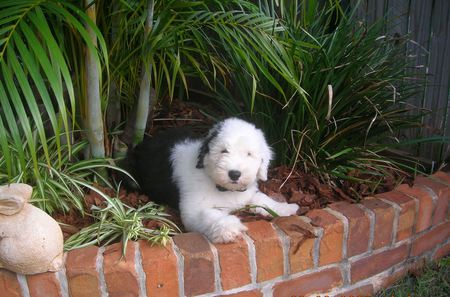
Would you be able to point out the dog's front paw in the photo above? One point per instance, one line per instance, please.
(227, 229)
(285, 209)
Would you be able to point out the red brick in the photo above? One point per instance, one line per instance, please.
(442, 252)
(301, 250)
(314, 283)
(358, 227)
(332, 240)
(430, 239)
(407, 213)
(432, 182)
(374, 264)
(120, 272)
(269, 253)
(443, 177)
(44, 284)
(425, 200)
(365, 290)
(384, 221)
(394, 277)
(254, 293)
(234, 264)
(81, 271)
(161, 269)
(414, 268)
(9, 285)
(443, 193)
(198, 263)
(441, 210)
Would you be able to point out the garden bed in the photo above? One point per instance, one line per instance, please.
(284, 184)
(308, 190)
(356, 250)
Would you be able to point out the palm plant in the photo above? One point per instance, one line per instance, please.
(187, 41)
(40, 99)
(44, 87)
(357, 84)
(36, 86)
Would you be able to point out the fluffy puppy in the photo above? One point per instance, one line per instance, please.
(208, 178)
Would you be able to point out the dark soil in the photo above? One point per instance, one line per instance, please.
(284, 184)
(309, 192)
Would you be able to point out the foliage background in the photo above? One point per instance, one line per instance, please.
(79, 81)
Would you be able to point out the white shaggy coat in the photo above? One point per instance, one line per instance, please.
(209, 193)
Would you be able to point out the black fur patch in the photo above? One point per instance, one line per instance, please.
(204, 149)
(149, 163)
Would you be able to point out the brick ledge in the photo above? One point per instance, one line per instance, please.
(358, 249)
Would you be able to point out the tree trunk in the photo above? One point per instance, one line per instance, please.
(94, 115)
(146, 98)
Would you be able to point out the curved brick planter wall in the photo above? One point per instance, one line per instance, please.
(357, 250)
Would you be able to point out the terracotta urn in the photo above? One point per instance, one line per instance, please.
(30, 240)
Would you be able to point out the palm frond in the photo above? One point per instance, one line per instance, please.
(355, 79)
(36, 87)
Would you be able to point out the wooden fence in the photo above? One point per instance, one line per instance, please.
(427, 23)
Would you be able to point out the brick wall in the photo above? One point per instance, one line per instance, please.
(357, 249)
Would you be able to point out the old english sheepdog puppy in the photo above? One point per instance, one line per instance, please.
(208, 178)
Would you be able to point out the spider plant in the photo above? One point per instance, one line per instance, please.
(59, 186)
(118, 221)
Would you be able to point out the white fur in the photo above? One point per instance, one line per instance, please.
(238, 145)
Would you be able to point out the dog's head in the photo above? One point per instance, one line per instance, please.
(235, 154)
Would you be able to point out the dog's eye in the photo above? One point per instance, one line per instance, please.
(249, 154)
(224, 151)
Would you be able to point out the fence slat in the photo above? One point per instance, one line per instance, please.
(427, 23)
(436, 96)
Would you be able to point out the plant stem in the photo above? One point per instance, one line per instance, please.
(145, 100)
(113, 115)
(94, 112)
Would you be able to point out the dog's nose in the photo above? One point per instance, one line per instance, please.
(234, 174)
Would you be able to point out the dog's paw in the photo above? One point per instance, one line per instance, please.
(285, 209)
(227, 229)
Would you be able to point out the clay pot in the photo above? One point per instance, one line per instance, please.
(30, 240)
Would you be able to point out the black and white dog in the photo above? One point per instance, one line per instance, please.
(207, 179)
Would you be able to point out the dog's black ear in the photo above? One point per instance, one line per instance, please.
(204, 149)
